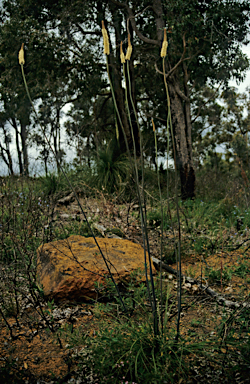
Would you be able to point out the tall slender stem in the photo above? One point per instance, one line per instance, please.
(142, 205)
(177, 205)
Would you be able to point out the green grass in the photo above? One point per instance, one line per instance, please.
(124, 348)
(206, 226)
(242, 270)
(218, 275)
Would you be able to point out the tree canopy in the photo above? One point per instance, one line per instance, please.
(64, 64)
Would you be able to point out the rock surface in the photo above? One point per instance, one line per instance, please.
(68, 269)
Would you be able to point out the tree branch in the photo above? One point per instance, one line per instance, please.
(88, 32)
(136, 30)
(131, 18)
(180, 93)
(219, 298)
(121, 5)
(201, 106)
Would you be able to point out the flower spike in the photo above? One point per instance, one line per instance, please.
(122, 54)
(164, 44)
(21, 55)
(105, 39)
(129, 49)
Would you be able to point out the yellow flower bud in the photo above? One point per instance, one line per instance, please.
(129, 49)
(122, 54)
(105, 39)
(164, 44)
(21, 55)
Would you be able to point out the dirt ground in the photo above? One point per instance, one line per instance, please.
(36, 355)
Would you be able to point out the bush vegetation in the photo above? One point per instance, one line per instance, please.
(124, 348)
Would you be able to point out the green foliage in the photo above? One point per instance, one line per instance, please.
(124, 348)
(202, 244)
(214, 33)
(202, 224)
(51, 184)
(240, 148)
(218, 275)
(75, 227)
(23, 213)
(126, 352)
(111, 169)
(242, 270)
(233, 325)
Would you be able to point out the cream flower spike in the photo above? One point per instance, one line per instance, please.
(21, 55)
(105, 39)
(129, 49)
(122, 54)
(164, 45)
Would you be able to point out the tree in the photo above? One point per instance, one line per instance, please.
(5, 141)
(48, 75)
(204, 49)
(204, 46)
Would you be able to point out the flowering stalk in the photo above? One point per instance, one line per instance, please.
(141, 199)
(162, 223)
(169, 124)
(143, 220)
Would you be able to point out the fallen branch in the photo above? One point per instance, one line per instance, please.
(218, 297)
(66, 200)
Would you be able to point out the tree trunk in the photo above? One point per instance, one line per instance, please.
(180, 104)
(24, 149)
(19, 154)
(6, 157)
(5, 151)
(180, 112)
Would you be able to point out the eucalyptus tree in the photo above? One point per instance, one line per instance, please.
(236, 127)
(205, 40)
(223, 121)
(15, 107)
(48, 73)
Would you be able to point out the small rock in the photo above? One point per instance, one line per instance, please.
(229, 289)
(66, 216)
(100, 227)
(66, 200)
(195, 288)
(113, 236)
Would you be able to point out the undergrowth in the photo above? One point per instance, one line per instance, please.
(122, 348)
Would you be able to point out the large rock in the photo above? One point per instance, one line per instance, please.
(68, 269)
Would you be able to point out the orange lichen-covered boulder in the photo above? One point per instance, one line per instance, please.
(68, 269)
